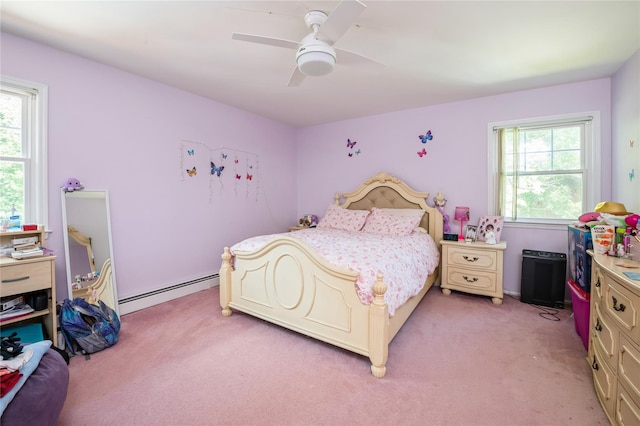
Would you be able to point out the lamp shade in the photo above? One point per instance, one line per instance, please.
(461, 214)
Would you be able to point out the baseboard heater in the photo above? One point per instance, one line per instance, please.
(151, 298)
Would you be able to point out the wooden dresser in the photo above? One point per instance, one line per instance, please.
(473, 268)
(614, 339)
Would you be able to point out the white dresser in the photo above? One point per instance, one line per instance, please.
(614, 339)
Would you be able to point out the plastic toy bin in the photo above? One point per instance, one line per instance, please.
(581, 311)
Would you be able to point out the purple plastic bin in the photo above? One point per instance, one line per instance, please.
(581, 310)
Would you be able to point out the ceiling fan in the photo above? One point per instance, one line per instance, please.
(315, 54)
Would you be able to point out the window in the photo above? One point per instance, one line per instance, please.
(23, 156)
(544, 170)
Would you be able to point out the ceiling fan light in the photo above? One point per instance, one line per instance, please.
(316, 63)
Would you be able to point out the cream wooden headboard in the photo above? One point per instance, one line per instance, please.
(386, 191)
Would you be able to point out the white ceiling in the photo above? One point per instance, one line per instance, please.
(434, 51)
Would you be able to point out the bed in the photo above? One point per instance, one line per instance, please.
(287, 283)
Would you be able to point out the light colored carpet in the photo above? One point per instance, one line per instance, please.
(459, 360)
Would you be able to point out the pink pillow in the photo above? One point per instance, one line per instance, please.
(344, 219)
(380, 222)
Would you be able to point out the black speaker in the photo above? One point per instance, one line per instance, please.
(542, 279)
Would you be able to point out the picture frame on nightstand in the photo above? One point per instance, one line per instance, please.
(495, 222)
(470, 233)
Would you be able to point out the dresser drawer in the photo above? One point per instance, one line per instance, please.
(23, 278)
(629, 368)
(597, 283)
(460, 256)
(605, 336)
(604, 381)
(469, 279)
(627, 410)
(624, 306)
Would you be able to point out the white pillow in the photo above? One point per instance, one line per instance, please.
(344, 219)
(380, 222)
(408, 212)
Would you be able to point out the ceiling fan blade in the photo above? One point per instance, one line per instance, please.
(340, 20)
(347, 57)
(296, 78)
(278, 42)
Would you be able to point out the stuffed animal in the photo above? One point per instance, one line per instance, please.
(72, 184)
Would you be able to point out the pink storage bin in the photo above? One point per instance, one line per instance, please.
(581, 311)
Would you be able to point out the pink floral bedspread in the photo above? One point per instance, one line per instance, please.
(405, 261)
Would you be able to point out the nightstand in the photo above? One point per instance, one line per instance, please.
(297, 228)
(474, 268)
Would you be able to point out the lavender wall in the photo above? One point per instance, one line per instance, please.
(120, 132)
(625, 111)
(456, 160)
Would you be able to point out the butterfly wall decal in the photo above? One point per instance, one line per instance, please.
(631, 142)
(632, 174)
(238, 176)
(357, 152)
(192, 172)
(249, 177)
(426, 137)
(224, 156)
(235, 161)
(350, 154)
(422, 153)
(216, 170)
(190, 151)
(351, 144)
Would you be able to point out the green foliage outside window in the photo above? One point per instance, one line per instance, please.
(12, 165)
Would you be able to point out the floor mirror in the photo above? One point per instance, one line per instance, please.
(88, 247)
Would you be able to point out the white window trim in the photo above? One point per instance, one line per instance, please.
(592, 152)
(38, 194)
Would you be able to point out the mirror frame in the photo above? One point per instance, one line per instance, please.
(89, 193)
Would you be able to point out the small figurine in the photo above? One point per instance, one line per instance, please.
(72, 184)
(490, 236)
(439, 201)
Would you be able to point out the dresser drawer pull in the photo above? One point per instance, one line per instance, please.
(469, 280)
(13, 280)
(598, 326)
(470, 259)
(615, 305)
(598, 282)
(594, 365)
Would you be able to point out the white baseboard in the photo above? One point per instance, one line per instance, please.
(132, 304)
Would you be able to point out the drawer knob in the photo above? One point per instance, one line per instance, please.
(470, 259)
(469, 280)
(620, 308)
(13, 280)
(594, 365)
(598, 326)
(598, 282)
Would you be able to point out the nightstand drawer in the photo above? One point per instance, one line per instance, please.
(23, 278)
(468, 279)
(467, 257)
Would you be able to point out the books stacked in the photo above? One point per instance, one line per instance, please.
(13, 307)
(27, 247)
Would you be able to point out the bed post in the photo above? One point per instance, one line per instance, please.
(225, 282)
(378, 329)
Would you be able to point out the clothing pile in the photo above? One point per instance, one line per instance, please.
(12, 360)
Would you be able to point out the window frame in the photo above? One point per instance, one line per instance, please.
(36, 173)
(592, 168)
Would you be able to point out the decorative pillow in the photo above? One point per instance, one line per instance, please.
(404, 212)
(344, 219)
(380, 222)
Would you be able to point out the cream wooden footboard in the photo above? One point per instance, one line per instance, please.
(287, 283)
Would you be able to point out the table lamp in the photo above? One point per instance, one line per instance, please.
(462, 215)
